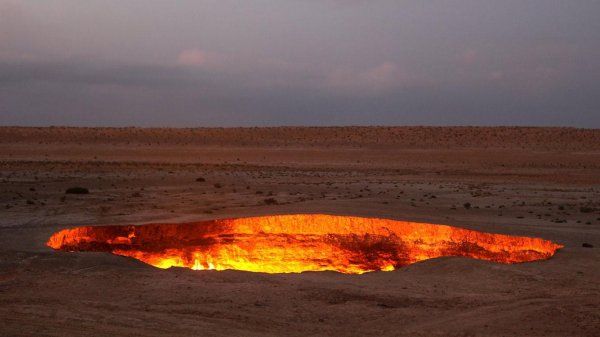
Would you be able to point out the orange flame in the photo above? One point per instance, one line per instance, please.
(297, 243)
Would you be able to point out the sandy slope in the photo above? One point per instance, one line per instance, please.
(536, 182)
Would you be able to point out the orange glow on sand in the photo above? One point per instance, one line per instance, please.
(297, 243)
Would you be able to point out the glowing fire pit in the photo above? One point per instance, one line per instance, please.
(296, 243)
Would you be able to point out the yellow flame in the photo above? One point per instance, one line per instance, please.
(296, 243)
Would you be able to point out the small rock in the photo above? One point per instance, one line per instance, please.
(587, 245)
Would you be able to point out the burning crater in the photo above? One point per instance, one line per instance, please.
(296, 243)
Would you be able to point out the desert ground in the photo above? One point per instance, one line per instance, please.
(538, 182)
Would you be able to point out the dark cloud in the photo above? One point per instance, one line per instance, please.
(152, 96)
(81, 74)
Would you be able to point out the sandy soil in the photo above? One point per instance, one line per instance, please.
(524, 181)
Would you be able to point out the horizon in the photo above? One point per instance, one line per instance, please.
(303, 127)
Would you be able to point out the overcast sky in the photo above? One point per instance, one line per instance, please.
(300, 62)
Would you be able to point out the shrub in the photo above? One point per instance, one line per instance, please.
(77, 190)
(586, 209)
(271, 201)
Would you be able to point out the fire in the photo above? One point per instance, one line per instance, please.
(297, 243)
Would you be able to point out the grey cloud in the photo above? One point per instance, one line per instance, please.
(119, 100)
(77, 74)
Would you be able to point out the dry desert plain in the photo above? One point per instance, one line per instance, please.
(538, 182)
